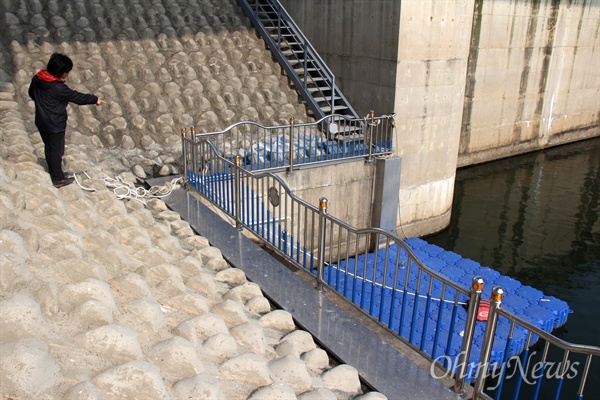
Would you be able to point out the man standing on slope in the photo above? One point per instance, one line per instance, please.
(51, 97)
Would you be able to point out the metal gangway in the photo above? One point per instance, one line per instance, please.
(303, 65)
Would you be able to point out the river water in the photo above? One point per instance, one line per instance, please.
(536, 218)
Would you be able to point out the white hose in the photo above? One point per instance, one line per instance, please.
(125, 190)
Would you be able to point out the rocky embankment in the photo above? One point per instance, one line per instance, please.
(102, 298)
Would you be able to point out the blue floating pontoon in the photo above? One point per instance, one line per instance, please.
(393, 301)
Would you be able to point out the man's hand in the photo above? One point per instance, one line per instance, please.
(100, 101)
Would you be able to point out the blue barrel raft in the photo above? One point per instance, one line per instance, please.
(431, 314)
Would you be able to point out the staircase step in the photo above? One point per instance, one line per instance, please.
(320, 99)
(274, 27)
(290, 52)
(300, 71)
(349, 138)
(286, 42)
(321, 89)
(336, 108)
(355, 130)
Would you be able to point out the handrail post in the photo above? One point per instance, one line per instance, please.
(488, 341)
(305, 63)
(332, 94)
(184, 152)
(237, 193)
(370, 141)
(465, 350)
(278, 28)
(321, 255)
(291, 167)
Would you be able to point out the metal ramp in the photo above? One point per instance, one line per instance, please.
(312, 78)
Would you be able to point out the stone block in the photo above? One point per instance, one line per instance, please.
(301, 339)
(208, 324)
(233, 313)
(13, 270)
(258, 305)
(248, 368)
(84, 390)
(12, 242)
(201, 386)
(149, 312)
(220, 347)
(206, 254)
(89, 289)
(192, 303)
(135, 379)
(21, 316)
(231, 276)
(27, 368)
(7, 212)
(93, 313)
(280, 320)
(275, 391)
(343, 378)
(131, 285)
(112, 341)
(292, 371)
(177, 356)
(203, 283)
(61, 245)
(189, 266)
(251, 336)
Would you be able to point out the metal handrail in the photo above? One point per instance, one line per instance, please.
(496, 311)
(312, 240)
(297, 145)
(317, 242)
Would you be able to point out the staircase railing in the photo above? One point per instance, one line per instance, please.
(299, 59)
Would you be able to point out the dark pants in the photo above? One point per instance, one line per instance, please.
(54, 149)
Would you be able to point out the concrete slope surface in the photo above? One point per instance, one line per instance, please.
(106, 298)
(103, 298)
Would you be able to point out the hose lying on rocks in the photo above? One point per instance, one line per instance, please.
(126, 190)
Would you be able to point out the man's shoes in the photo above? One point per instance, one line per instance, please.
(64, 182)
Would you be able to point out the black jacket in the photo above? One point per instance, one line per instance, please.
(51, 99)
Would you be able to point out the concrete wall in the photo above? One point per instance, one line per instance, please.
(470, 81)
(533, 79)
(350, 202)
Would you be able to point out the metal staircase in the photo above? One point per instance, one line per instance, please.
(301, 62)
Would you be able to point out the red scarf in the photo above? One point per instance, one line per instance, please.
(47, 76)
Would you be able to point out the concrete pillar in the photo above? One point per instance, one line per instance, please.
(409, 57)
(430, 80)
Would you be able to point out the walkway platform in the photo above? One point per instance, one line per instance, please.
(379, 364)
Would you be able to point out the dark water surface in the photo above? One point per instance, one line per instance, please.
(536, 218)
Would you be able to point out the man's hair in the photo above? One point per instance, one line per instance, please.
(59, 64)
